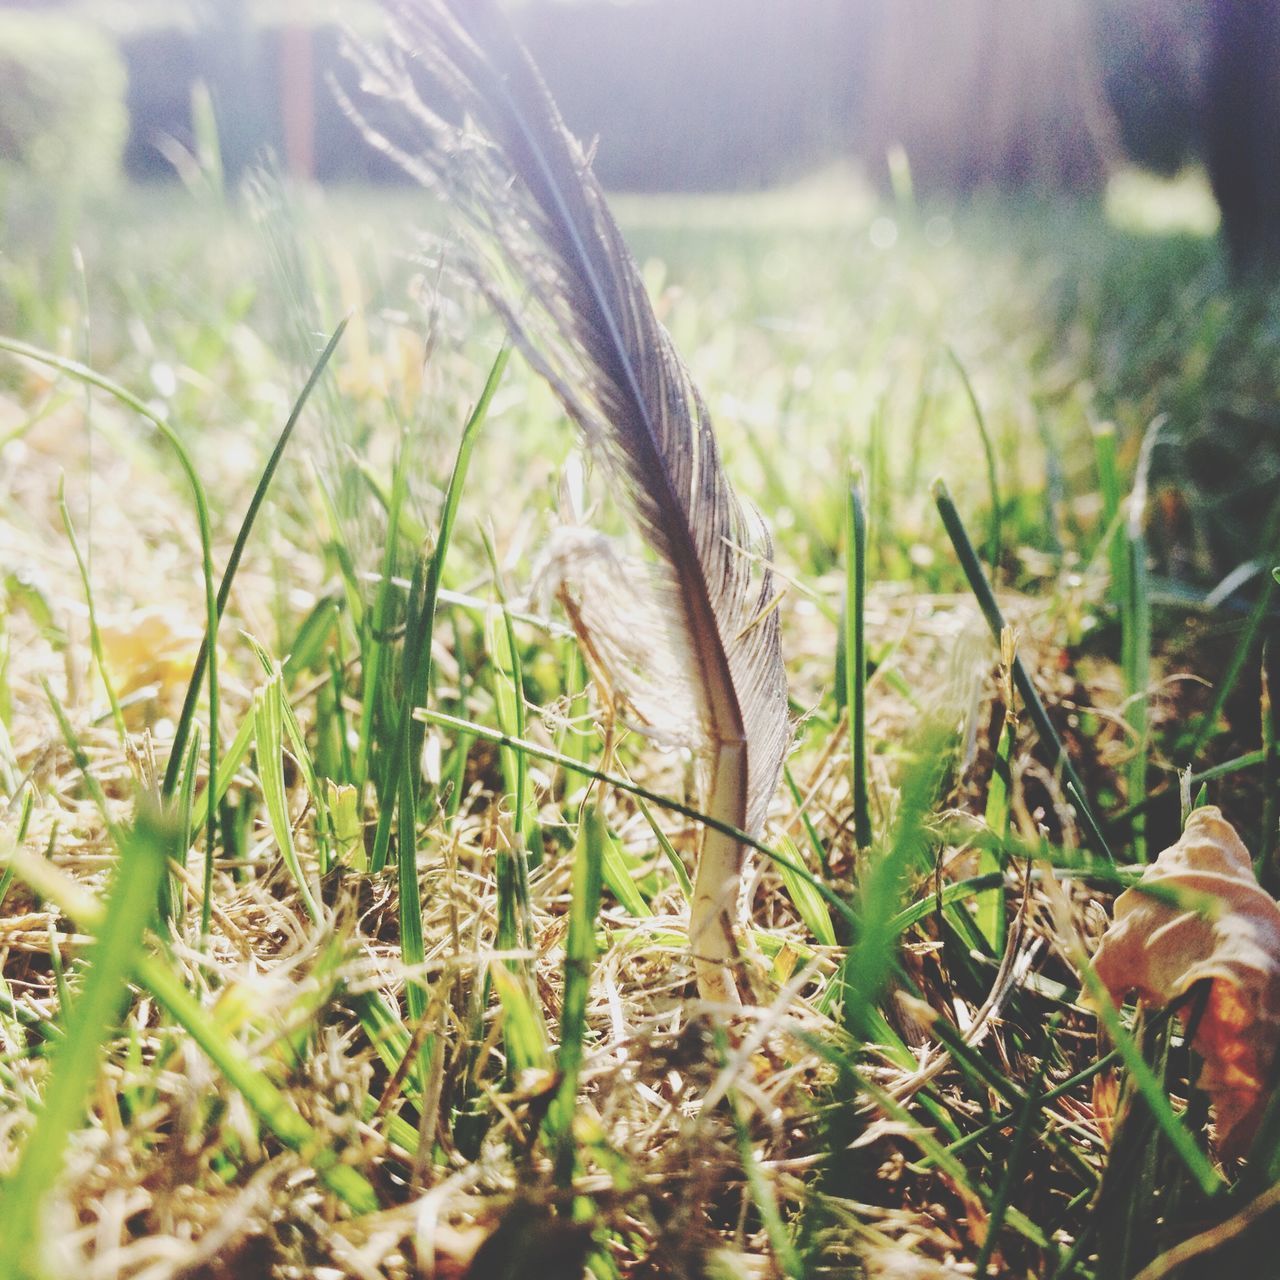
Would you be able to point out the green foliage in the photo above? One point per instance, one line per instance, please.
(456, 854)
(62, 114)
(90, 1022)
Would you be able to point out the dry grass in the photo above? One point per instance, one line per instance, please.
(774, 1140)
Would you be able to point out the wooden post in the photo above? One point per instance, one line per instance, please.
(297, 99)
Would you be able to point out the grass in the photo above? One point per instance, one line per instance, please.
(399, 984)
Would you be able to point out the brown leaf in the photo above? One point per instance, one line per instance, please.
(1226, 932)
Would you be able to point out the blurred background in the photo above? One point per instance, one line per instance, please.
(857, 185)
(1014, 243)
(733, 94)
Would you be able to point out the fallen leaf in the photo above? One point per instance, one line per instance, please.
(154, 646)
(1160, 948)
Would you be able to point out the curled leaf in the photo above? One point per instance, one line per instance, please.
(1199, 915)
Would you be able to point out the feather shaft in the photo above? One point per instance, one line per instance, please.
(545, 250)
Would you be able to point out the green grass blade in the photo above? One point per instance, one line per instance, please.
(172, 890)
(131, 903)
(412, 947)
(207, 651)
(1135, 623)
(380, 700)
(523, 1031)
(448, 518)
(990, 906)
(981, 589)
(297, 742)
(536, 752)
(342, 802)
(816, 842)
(989, 913)
(989, 453)
(579, 957)
(1248, 638)
(869, 963)
(268, 732)
(618, 872)
(1104, 452)
(92, 378)
(855, 649)
(809, 904)
(237, 754)
(1150, 1086)
(95, 636)
(508, 697)
(420, 624)
(668, 851)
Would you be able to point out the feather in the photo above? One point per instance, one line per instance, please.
(545, 250)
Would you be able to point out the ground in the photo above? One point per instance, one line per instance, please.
(920, 1088)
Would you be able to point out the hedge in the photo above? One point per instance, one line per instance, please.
(62, 112)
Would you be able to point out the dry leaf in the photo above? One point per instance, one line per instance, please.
(1161, 949)
(155, 646)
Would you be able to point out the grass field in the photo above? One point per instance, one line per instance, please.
(416, 997)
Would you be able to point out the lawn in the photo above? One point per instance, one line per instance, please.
(416, 997)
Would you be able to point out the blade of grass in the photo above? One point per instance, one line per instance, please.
(380, 700)
(172, 906)
(508, 692)
(1104, 452)
(808, 903)
(95, 635)
(981, 589)
(869, 963)
(523, 1031)
(207, 653)
(988, 450)
(1135, 632)
(1253, 625)
(237, 754)
(990, 907)
(448, 518)
(268, 732)
(1150, 1086)
(816, 843)
(91, 377)
(268, 1102)
(579, 957)
(668, 851)
(420, 626)
(131, 902)
(855, 649)
(536, 752)
(617, 871)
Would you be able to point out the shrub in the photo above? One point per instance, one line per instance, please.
(62, 110)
